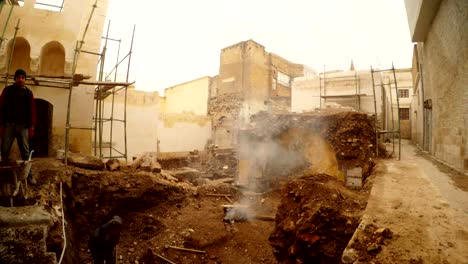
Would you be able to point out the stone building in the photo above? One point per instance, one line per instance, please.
(45, 47)
(354, 89)
(440, 75)
(250, 80)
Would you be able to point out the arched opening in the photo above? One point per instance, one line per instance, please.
(21, 55)
(52, 62)
(41, 143)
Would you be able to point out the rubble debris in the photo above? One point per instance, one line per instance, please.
(85, 162)
(147, 162)
(368, 240)
(113, 164)
(311, 226)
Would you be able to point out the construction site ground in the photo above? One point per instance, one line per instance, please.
(422, 203)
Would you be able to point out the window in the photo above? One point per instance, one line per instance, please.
(283, 79)
(51, 5)
(403, 93)
(404, 113)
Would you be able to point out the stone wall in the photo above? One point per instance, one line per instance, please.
(23, 233)
(444, 57)
(48, 38)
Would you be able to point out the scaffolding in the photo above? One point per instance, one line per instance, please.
(102, 90)
(379, 133)
(340, 79)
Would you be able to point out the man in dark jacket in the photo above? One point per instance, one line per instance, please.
(102, 243)
(17, 118)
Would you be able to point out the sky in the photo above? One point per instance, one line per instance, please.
(180, 40)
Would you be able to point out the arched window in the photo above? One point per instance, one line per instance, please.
(52, 61)
(21, 58)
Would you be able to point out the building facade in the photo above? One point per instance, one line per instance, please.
(45, 47)
(440, 74)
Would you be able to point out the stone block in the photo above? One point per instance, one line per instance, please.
(354, 177)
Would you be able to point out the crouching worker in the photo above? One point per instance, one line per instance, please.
(104, 240)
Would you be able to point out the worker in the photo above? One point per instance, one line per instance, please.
(17, 118)
(103, 242)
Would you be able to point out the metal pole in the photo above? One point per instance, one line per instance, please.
(100, 96)
(398, 105)
(393, 118)
(126, 88)
(320, 92)
(79, 46)
(11, 53)
(6, 23)
(357, 90)
(113, 100)
(375, 109)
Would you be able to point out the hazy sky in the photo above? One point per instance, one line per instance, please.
(180, 40)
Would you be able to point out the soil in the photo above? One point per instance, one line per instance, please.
(297, 219)
(159, 211)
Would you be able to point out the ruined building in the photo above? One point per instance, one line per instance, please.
(250, 80)
(440, 74)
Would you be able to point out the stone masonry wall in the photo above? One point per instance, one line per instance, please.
(445, 73)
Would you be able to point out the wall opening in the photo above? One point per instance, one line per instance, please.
(52, 62)
(41, 142)
(21, 55)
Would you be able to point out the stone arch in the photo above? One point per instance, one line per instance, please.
(41, 142)
(52, 60)
(21, 55)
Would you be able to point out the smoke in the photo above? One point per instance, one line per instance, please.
(263, 159)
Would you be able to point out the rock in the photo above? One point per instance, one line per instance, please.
(350, 255)
(185, 173)
(113, 165)
(155, 167)
(384, 232)
(373, 248)
(85, 162)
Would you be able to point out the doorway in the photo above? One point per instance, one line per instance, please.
(41, 143)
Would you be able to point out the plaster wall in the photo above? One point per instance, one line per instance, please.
(183, 122)
(142, 116)
(179, 133)
(190, 97)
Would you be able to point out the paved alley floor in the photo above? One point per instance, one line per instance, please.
(425, 205)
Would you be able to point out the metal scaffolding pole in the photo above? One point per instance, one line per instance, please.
(113, 99)
(6, 22)
(100, 102)
(125, 101)
(10, 58)
(375, 109)
(78, 47)
(393, 117)
(398, 106)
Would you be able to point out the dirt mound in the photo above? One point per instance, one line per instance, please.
(316, 219)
